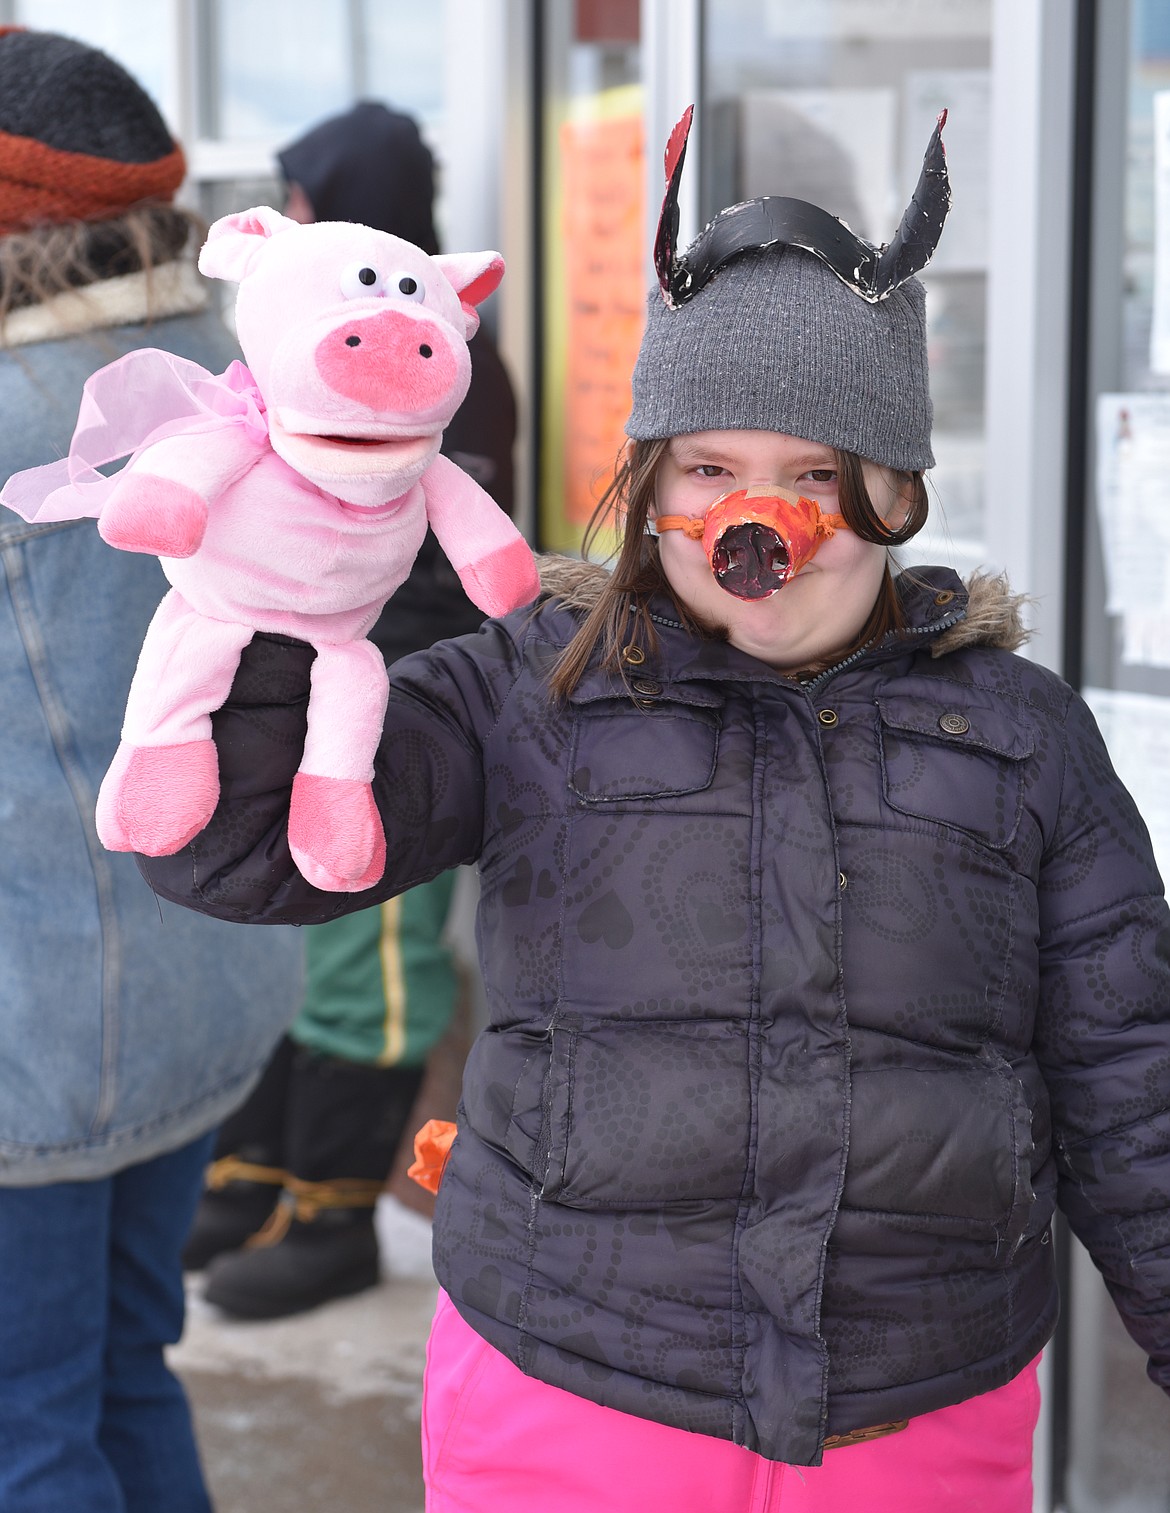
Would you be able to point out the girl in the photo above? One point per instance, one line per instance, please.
(824, 952)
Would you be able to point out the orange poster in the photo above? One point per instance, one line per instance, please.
(603, 228)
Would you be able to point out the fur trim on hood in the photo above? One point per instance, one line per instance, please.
(993, 615)
(576, 583)
(174, 288)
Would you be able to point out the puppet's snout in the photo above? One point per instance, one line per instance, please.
(389, 361)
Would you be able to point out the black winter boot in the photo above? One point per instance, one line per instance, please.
(342, 1128)
(246, 1175)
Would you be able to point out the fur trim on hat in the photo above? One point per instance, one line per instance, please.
(39, 183)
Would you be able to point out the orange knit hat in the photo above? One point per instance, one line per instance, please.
(79, 138)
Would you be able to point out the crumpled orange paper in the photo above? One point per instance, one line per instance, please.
(432, 1146)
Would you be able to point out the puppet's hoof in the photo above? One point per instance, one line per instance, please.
(502, 581)
(156, 515)
(335, 833)
(154, 799)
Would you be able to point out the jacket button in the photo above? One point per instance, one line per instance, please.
(827, 717)
(646, 686)
(644, 703)
(945, 596)
(634, 655)
(842, 880)
(954, 724)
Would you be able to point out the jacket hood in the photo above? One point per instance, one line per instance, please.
(369, 165)
(991, 614)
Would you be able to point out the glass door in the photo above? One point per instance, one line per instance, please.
(1119, 640)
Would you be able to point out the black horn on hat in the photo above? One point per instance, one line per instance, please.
(775, 220)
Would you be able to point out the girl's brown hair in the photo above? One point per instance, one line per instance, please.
(621, 616)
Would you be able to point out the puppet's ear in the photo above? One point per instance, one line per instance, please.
(235, 242)
(473, 276)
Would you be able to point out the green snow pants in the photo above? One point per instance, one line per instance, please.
(381, 984)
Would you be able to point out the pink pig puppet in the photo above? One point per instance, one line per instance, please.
(291, 497)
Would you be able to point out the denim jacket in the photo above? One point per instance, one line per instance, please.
(127, 1026)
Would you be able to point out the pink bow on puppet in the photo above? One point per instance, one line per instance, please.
(290, 497)
(126, 407)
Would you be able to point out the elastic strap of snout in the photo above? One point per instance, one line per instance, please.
(691, 526)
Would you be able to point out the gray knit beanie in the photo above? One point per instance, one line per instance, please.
(777, 342)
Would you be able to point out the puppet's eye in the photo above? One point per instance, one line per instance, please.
(407, 286)
(360, 281)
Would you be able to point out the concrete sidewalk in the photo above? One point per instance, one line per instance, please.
(321, 1411)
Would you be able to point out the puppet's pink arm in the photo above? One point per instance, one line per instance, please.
(493, 560)
(159, 503)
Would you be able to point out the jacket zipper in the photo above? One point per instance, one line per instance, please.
(935, 627)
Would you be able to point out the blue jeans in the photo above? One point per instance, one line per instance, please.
(91, 1290)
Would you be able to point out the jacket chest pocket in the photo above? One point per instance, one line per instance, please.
(959, 763)
(621, 754)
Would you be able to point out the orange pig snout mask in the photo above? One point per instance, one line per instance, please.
(756, 539)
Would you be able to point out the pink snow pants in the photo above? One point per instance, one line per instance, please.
(496, 1441)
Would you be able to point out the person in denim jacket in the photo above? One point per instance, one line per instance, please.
(128, 1028)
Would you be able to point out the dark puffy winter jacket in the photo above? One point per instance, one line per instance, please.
(808, 1003)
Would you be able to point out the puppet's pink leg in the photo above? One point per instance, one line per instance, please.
(163, 784)
(334, 829)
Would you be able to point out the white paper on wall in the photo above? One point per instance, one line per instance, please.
(1136, 728)
(1133, 509)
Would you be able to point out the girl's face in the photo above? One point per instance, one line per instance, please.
(821, 611)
